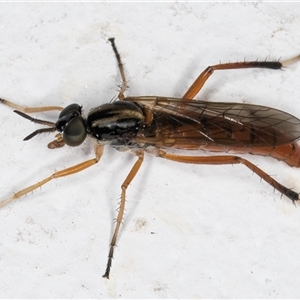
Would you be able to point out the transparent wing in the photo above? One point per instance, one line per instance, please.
(197, 124)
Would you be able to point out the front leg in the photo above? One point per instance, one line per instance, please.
(66, 172)
(29, 109)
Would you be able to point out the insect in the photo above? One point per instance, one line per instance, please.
(155, 124)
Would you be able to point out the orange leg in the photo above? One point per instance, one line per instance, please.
(66, 172)
(228, 160)
(29, 109)
(119, 219)
(200, 81)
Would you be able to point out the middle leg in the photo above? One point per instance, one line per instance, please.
(119, 219)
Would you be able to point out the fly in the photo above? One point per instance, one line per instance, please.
(155, 124)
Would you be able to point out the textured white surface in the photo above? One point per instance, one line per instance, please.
(190, 231)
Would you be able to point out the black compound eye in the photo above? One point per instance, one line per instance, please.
(75, 132)
(67, 114)
(72, 108)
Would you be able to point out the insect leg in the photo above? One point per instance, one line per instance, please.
(228, 160)
(119, 219)
(62, 173)
(121, 69)
(200, 81)
(29, 109)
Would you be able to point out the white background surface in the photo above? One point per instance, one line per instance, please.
(190, 231)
